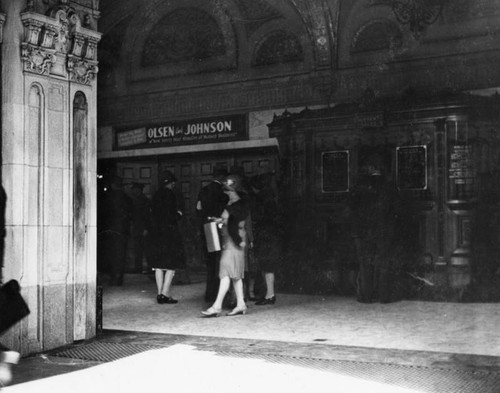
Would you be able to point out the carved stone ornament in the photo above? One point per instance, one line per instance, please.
(37, 60)
(320, 26)
(417, 13)
(59, 37)
(81, 71)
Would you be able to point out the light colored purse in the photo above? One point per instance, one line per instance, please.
(212, 236)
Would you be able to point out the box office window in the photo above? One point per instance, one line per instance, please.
(335, 171)
(411, 167)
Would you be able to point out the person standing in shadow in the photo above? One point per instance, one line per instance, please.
(115, 217)
(266, 233)
(211, 203)
(166, 238)
(376, 210)
(141, 215)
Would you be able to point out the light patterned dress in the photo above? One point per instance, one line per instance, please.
(232, 261)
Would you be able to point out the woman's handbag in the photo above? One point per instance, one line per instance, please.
(13, 308)
(212, 236)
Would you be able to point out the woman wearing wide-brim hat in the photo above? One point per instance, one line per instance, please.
(168, 254)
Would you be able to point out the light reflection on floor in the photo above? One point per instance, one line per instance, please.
(183, 368)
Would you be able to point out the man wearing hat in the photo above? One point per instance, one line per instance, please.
(375, 207)
(166, 238)
(211, 203)
(140, 223)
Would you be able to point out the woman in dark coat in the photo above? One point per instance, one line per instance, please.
(168, 253)
(267, 243)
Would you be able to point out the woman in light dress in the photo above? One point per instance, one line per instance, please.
(234, 243)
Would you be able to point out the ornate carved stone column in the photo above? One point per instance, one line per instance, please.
(49, 123)
(58, 45)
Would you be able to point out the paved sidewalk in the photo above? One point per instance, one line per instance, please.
(121, 361)
(462, 328)
(302, 343)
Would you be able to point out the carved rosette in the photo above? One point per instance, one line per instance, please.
(58, 46)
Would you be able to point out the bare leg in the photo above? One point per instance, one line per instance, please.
(159, 280)
(167, 283)
(269, 277)
(223, 288)
(238, 289)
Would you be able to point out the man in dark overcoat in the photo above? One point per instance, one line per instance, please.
(211, 203)
(376, 210)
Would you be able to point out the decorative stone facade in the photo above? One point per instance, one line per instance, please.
(49, 67)
(59, 46)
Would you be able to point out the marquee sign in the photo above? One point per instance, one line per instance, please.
(188, 132)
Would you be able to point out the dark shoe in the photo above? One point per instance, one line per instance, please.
(161, 299)
(265, 301)
(170, 300)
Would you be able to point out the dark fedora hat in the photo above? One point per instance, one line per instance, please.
(220, 171)
(167, 177)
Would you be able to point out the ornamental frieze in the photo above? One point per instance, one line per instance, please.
(144, 107)
(58, 46)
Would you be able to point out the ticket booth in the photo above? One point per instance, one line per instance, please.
(443, 157)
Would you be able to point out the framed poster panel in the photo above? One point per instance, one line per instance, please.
(411, 167)
(335, 171)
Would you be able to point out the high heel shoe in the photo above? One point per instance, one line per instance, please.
(211, 312)
(237, 311)
(264, 301)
